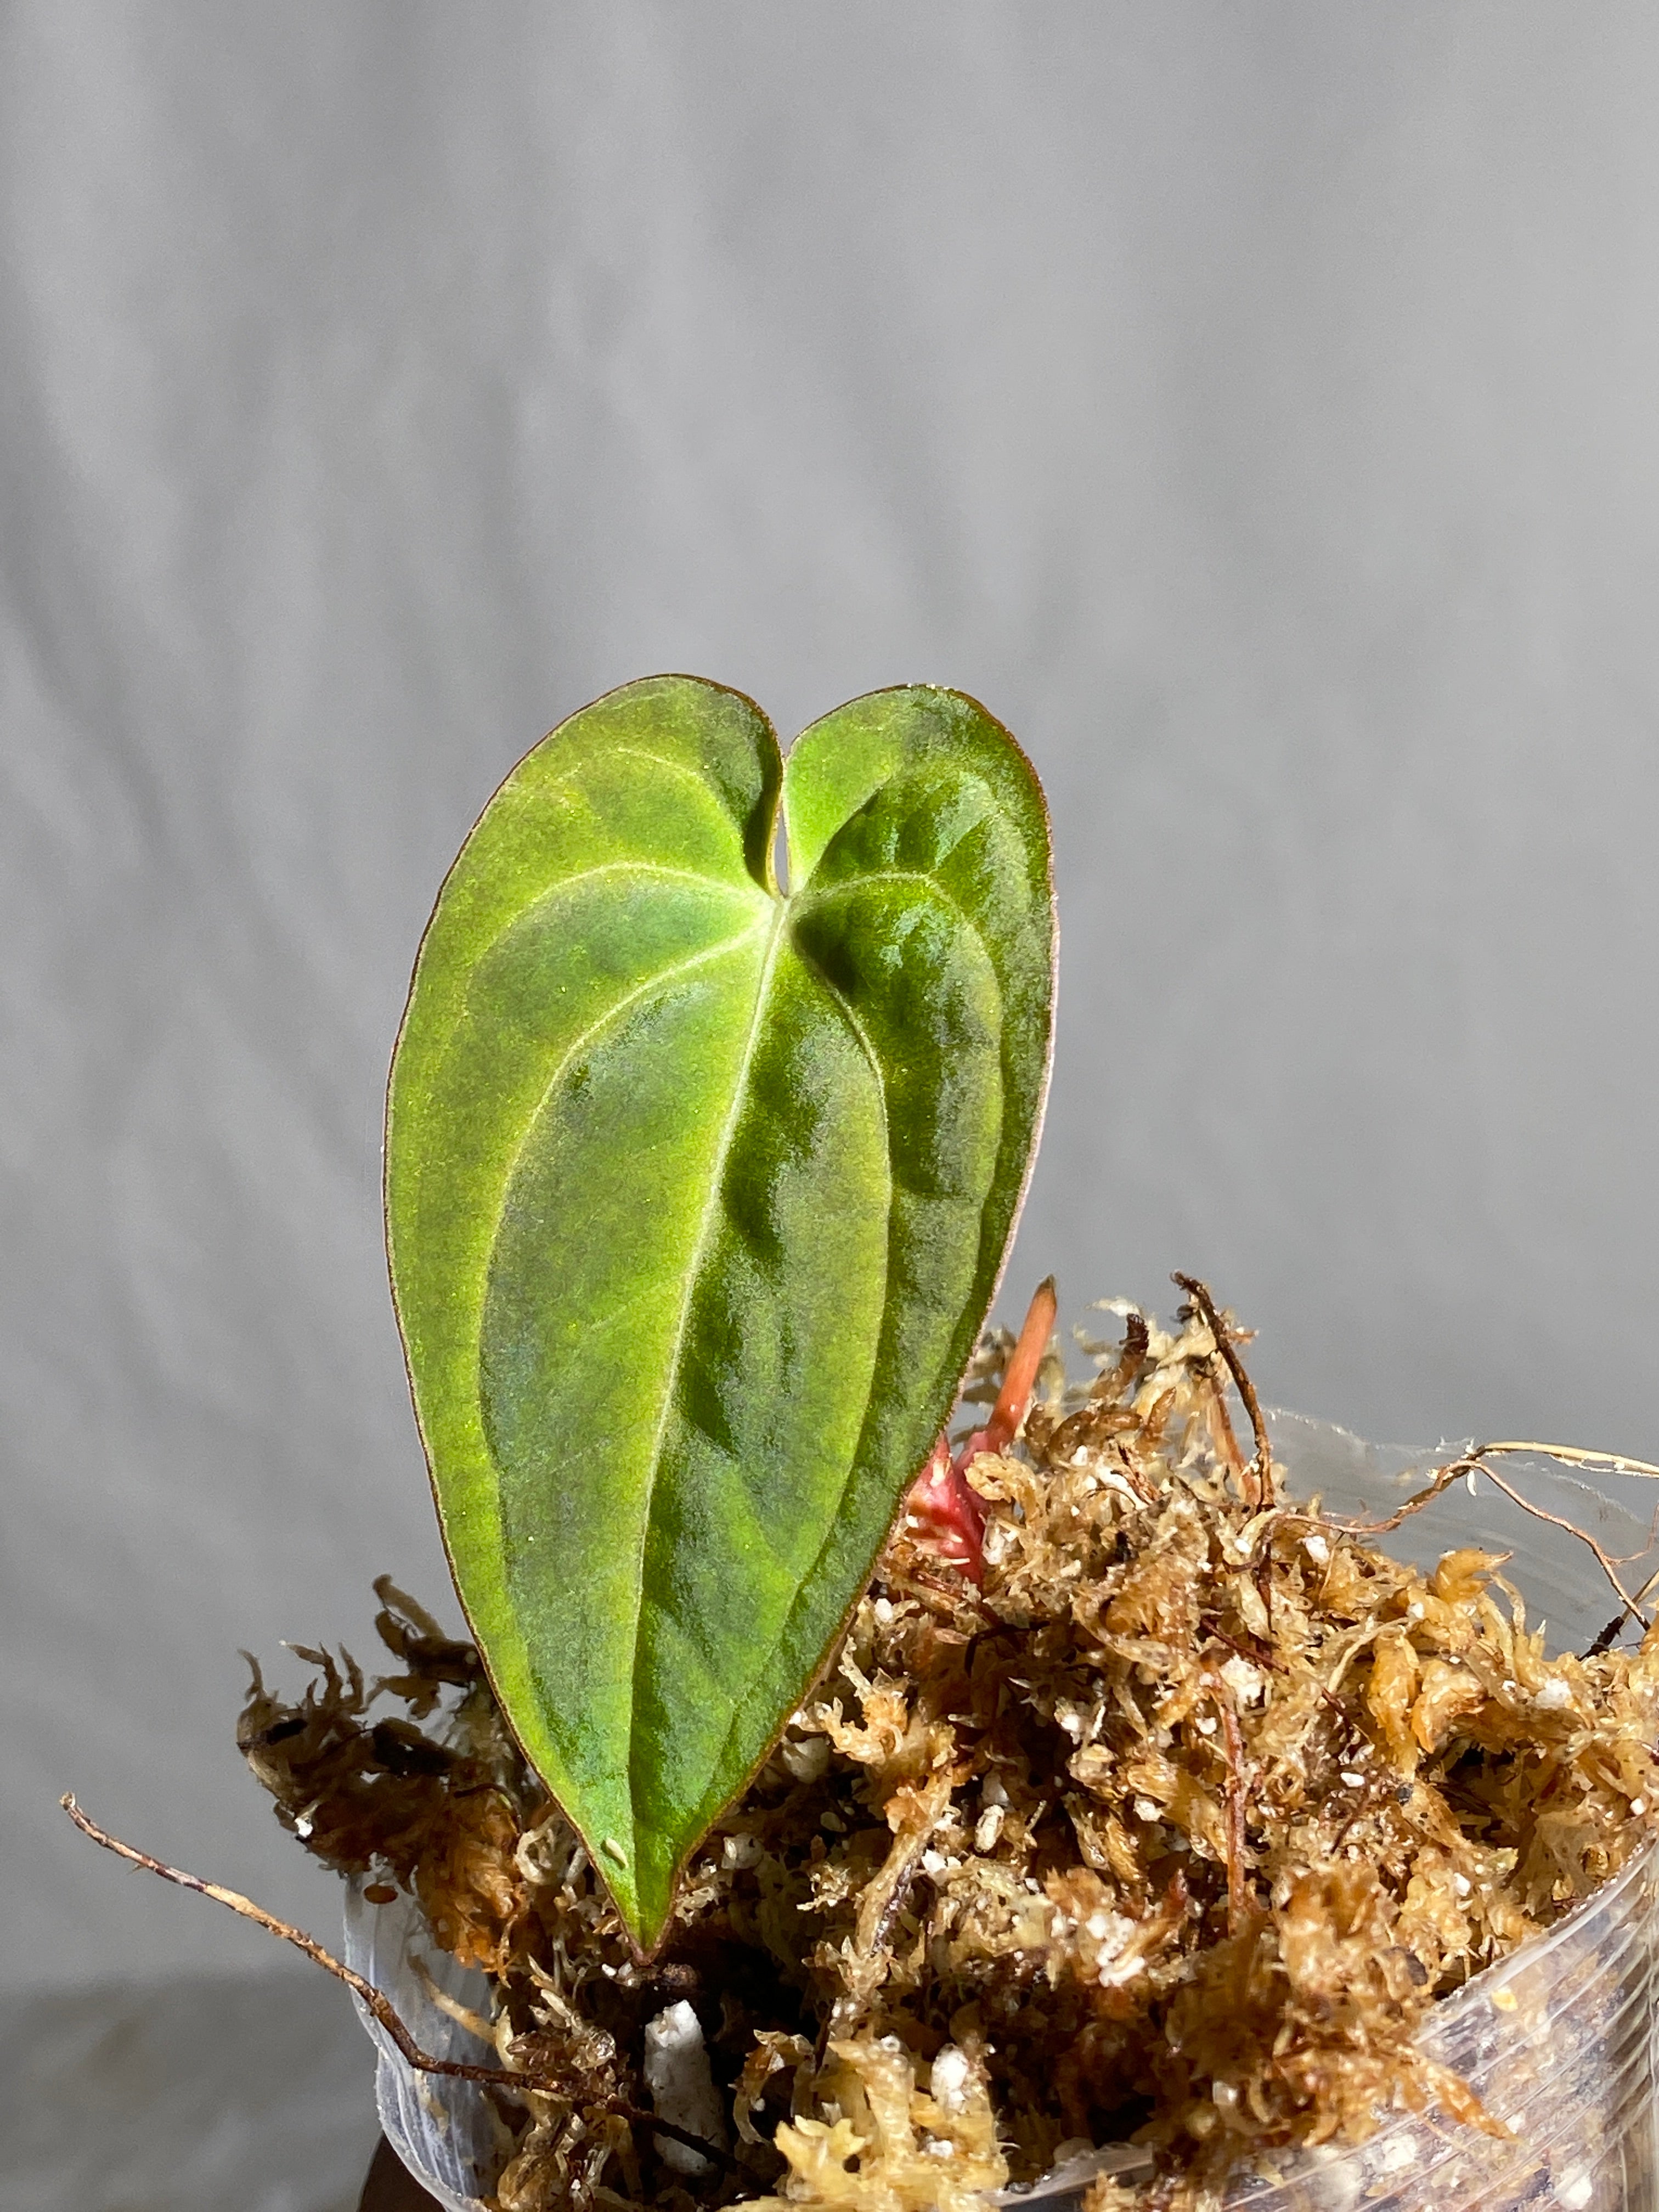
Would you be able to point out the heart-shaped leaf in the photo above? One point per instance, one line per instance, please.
(696, 1194)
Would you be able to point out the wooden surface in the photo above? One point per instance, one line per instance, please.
(390, 2187)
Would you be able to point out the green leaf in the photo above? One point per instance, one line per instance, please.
(696, 1196)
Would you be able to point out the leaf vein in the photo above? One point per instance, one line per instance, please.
(750, 891)
(812, 895)
(658, 977)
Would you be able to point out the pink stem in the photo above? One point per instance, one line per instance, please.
(944, 1513)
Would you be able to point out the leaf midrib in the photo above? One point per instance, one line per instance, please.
(802, 900)
(693, 1269)
(879, 1072)
(796, 904)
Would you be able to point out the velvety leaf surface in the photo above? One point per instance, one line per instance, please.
(697, 1194)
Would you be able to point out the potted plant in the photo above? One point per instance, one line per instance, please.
(826, 1813)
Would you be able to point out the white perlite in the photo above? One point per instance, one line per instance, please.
(949, 2080)
(682, 2086)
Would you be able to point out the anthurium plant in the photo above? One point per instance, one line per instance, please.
(709, 1124)
(1179, 1801)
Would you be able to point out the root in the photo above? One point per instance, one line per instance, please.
(1259, 1475)
(496, 2078)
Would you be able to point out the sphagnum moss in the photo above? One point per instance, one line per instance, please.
(1172, 1825)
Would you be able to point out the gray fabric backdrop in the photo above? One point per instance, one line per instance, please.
(1255, 405)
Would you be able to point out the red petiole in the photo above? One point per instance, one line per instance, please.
(942, 1513)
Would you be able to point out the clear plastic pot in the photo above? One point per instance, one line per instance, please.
(1560, 2041)
(445, 2131)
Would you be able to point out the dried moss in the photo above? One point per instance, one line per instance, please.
(1171, 1831)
